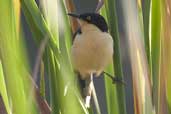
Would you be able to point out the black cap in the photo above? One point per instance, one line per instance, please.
(93, 18)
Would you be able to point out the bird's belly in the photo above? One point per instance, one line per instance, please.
(91, 55)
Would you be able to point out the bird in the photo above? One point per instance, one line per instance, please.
(92, 49)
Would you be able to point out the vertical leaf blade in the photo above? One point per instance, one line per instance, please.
(3, 91)
(155, 48)
(139, 64)
(14, 65)
(165, 72)
(110, 7)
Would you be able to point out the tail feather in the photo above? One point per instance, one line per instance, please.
(88, 90)
(81, 85)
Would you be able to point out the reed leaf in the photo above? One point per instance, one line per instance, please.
(141, 83)
(42, 80)
(155, 33)
(3, 90)
(110, 9)
(146, 22)
(110, 88)
(165, 87)
(37, 24)
(13, 59)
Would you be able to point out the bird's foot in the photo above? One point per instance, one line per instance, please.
(115, 79)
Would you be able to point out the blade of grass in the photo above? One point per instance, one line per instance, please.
(40, 29)
(50, 8)
(42, 80)
(165, 73)
(44, 108)
(13, 59)
(113, 28)
(65, 38)
(43, 105)
(110, 89)
(35, 19)
(146, 19)
(37, 24)
(141, 83)
(54, 85)
(155, 49)
(3, 91)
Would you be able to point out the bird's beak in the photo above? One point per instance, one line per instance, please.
(74, 15)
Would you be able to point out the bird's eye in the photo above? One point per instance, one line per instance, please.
(88, 18)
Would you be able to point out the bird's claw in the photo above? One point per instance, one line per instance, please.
(118, 80)
(115, 79)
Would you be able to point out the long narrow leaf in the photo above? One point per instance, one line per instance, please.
(165, 72)
(3, 91)
(14, 65)
(146, 19)
(141, 83)
(37, 23)
(155, 48)
(110, 88)
(113, 27)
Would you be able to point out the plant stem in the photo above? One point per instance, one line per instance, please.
(113, 27)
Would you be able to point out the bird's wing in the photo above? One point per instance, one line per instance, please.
(78, 31)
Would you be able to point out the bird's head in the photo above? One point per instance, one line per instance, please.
(92, 18)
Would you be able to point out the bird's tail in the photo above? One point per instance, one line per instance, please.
(88, 90)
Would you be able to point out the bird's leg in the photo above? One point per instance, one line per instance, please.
(115, 79)
(88, 90)
(99, 5)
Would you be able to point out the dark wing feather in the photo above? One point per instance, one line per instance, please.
(78, 31)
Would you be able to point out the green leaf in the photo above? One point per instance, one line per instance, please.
(37, 24)
(155, 48)
(110, 7)
(3, 91)
(165, 66)
(138, 60)
(13, 59)
(111, 97)
(146, 22)
(42, 80)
